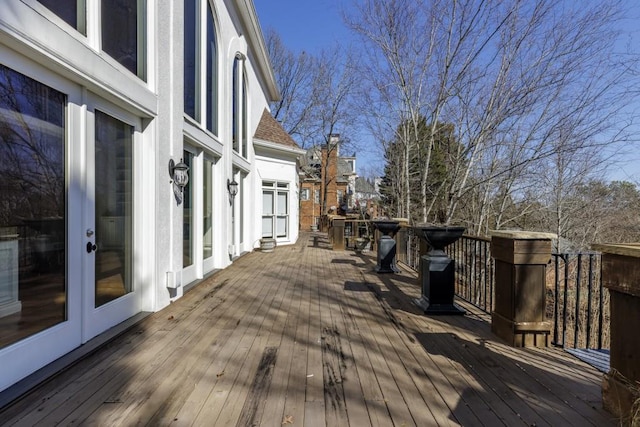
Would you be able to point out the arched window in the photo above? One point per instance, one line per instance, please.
(239, 106)
(200, 65)
(212, 75)
(191, 74)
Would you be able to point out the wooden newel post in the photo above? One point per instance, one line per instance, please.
(621, 275)
(521, 260)
(338, 234)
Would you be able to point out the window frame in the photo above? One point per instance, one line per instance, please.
(276, 189)
(239, 107)
(142, 40)
(206, 103)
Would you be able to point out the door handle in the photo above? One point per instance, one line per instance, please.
(91, 247)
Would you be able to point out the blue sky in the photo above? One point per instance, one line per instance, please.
(306, 25)
(311, 25)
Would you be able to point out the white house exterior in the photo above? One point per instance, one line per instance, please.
(97, 97)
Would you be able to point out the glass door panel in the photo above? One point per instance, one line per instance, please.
(187, 218)
(113, 208)
(33, 253)
(111, 294)
(207, 209)
(267, 213)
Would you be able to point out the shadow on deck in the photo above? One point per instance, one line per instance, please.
(309, 336)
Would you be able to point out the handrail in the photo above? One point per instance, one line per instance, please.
(577, 303)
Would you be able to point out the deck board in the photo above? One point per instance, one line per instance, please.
(309, 336)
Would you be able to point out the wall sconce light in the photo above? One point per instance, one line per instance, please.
(178, 173)
(232, 186)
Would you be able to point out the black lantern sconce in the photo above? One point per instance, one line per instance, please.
(232, 186)
(179, 177)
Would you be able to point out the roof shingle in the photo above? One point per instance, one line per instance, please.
(270, 130)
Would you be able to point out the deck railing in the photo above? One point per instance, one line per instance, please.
(474, 271)
(577, 303)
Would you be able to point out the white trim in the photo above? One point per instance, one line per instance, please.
(274, 146)
(249, 19)
(199, 137)
(241, 163)
(30, 33)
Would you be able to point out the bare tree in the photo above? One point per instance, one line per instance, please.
(514, 77)
(295, 76)
(332, 113)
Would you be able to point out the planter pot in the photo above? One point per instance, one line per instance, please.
(438, 270)
(386, 256)
(267, 245)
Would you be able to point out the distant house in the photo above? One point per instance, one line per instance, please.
(138, 157)
(367, 197)
(325, 173)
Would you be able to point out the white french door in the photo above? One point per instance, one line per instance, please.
(68, 260)
(110, 292)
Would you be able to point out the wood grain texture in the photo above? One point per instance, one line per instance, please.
(307, 336)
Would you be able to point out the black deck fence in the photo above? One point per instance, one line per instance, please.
(577, 303)
(581, 303)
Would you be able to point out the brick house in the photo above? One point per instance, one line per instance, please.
(327, 183)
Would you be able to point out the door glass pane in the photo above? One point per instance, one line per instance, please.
(187, 215)
(207, 209)
(113, 208)
(240, 197)
(71, 11)
(123, 33)
(33, 293)
(267, 202)
(281, 224)
(282, 203)
(267, 226)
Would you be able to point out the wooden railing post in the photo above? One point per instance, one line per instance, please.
(621, 275)
(338, 233)
(519, 315)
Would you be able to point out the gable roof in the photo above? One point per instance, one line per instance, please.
(271, 131)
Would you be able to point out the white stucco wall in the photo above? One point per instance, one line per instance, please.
(280, 168)
(37, 43)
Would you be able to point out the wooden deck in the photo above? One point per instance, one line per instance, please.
(306, 336)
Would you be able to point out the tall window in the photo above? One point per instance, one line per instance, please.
(235, 107)
(123, 33)
(33, 293)
(239, 107)
(187, 218)
(243, 121)
(198, 60)
(191, 75)
(275, 209)
(207, 209)
(212, 80)
(73, 12)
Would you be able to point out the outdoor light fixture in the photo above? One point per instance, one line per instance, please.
(179, 173)
(232, 186)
